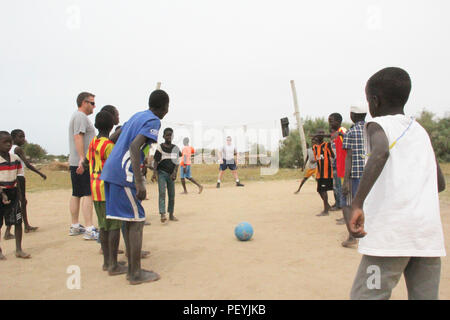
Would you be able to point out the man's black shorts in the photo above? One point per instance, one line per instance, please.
(227, 164)
(324, 184)
(10, 212)
(81, 183)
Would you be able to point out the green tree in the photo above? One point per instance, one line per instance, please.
(291, 155)
(34, 151)
(439, 132)
(290, 152)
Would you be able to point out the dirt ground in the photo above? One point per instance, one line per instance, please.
(292, 255)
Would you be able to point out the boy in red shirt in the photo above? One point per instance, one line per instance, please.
(337, 138)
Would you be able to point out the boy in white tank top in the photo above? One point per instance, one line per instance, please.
(395, 211)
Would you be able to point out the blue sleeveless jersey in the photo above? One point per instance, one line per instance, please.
(117, 168)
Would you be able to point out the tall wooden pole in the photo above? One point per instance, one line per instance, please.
(299, 121)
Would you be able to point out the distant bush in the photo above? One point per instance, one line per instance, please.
(58, 166)
(439, 132)
(34, 151)
(60, 158)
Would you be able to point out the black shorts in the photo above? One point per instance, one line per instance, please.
(81, 183)
(227, 164)
(324, 184)
(10, 212)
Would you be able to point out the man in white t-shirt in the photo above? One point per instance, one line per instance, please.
(228, 159)
(395, 211)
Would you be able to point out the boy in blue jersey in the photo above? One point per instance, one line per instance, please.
(124, 182)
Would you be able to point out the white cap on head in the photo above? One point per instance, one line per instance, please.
(358, 108)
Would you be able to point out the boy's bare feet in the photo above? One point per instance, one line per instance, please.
(30, 229)
(9, 236)
(119, 269)
(145, 276)
(200, 189)
(121, 263)
(22, 255)
(349, 243)
(163, 218)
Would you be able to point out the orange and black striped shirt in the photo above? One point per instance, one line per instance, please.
(99, 150)
(323, 155)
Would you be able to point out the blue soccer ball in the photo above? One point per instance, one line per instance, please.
(243, 231)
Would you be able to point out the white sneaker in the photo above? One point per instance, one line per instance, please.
(90, 235)
(77, 231)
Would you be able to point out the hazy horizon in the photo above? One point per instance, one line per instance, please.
(222, 63)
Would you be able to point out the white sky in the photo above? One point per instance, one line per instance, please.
(222, 62)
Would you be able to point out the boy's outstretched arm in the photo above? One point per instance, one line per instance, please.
(19, 151)
(135, 157)
(440, 177)
(379, 154)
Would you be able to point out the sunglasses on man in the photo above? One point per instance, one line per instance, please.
(92, 103)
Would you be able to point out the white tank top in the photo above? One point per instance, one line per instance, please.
(402, 215)
(23, 164)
